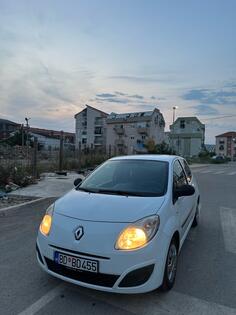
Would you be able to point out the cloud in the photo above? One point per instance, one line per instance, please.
(119, 97)
(113, 100)
(121, 93)
(203, 109)
(226, 95)
(104, 95)
(137, 96)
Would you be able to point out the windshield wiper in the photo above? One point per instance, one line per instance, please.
(118, 192)
(88, 190)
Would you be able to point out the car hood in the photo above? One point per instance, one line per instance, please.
(106, 208)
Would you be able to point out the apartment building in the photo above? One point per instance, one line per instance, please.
(127, 133)
(226, 144)
(187, 136)
(90, 126)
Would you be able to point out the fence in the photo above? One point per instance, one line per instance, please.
(20, 162)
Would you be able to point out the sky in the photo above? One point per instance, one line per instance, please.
(119, 56)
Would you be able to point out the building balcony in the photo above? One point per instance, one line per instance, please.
(98, 142)
(119, 142)
(119, 130)
(143, 130)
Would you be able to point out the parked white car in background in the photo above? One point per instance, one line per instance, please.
(121, 229)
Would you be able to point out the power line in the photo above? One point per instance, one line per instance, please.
(213, 118)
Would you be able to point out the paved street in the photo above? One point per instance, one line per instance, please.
(206, 278)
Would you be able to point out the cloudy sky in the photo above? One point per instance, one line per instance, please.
(120, 56)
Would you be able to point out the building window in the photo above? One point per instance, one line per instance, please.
(221, 148)
(98, 121)
(84, 140)
(182, 124)
(132, 138)
(98, 130)
(143, 137)
(221, 141)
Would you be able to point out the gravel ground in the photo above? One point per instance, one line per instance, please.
(12, 200)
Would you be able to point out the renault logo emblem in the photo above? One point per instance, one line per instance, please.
(79, 232)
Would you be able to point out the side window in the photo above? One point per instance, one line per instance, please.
(179, 177)
(187, 171)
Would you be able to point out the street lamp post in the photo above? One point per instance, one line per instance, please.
(174, 109)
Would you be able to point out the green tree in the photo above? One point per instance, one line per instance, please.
(164, 148)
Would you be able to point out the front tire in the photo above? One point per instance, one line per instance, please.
(170, 266)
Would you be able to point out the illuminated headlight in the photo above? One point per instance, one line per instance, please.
(138, 234)
(46, 223)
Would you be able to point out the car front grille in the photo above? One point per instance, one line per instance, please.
(101, 279)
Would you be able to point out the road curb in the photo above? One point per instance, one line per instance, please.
(7, 209)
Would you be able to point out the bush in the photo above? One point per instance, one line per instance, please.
(19, 175)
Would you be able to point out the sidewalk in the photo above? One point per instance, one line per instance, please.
(50, 185)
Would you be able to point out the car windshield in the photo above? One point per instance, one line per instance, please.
(128, 177)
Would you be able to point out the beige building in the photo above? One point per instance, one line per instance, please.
(226, 144)
(90, 125)
(127, 133)
(187, 136)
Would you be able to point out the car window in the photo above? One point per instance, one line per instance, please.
(179, 177)
(187, 170)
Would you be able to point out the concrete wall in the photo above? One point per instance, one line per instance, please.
(187, 141)
(46, 142)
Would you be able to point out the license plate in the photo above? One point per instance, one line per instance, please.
(77, 263)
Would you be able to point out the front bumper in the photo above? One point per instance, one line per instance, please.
(134, 271)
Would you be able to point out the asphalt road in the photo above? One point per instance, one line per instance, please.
(206, 277)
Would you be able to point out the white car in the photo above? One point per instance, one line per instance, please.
(121, 229)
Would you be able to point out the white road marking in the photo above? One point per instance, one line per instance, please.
(44, 300)
(205, 172)
(173, 303)
(219, 172)
(232, 173)
(228, 222)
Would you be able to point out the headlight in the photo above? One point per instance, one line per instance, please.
(46, 223)
(138, 234)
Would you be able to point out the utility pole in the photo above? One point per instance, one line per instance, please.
(27, 136)
(22, 137)
(34, 161)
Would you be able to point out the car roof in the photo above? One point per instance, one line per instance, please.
(148, 157)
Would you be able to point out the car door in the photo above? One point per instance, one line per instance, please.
(184, 206)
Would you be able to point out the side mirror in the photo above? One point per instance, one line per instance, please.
(184, 190)
(77, 181)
